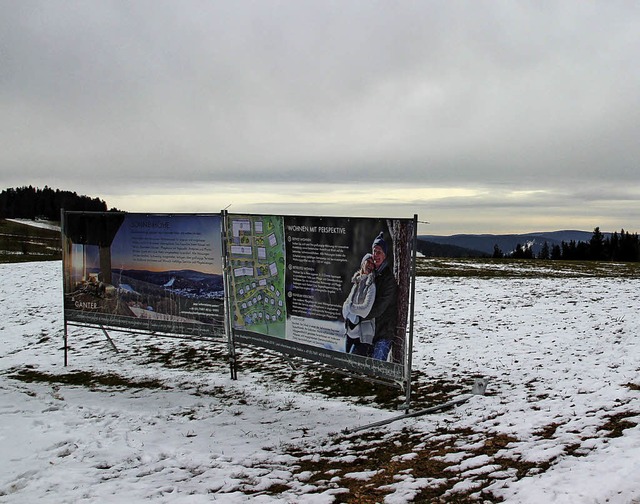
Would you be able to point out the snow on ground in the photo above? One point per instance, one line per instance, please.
(44, 224)
(559, 422)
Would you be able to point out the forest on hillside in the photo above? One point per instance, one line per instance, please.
(622, 246)
(34, 203)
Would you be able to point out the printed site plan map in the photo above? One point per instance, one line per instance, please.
(257, 260)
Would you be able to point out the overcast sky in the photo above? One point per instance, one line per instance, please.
(479, 116)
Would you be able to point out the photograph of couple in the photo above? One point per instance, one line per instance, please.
(370, 310)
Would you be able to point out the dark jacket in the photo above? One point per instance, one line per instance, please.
(384, 309)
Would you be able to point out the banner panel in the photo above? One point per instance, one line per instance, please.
(145, 272)
(334, 290)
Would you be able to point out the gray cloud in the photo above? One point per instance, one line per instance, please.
(497, 96)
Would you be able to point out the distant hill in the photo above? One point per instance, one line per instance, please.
(433, 249)
(485, 243)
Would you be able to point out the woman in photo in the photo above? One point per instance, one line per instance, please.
(359, 332)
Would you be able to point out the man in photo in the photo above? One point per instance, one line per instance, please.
(384, 309)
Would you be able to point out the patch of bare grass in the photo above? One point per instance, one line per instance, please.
(88, 379)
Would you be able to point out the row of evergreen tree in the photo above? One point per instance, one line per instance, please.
(621, 246)
(31, 203)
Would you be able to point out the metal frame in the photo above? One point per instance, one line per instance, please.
(409, 359)
(404, 384)
(126, 330)
(233, 364)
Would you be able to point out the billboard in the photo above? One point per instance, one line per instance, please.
(149, 272)
(330, 289)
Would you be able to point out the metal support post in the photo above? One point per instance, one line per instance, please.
(479, 388)
(113, 345)
(66, 346)
(226, 271)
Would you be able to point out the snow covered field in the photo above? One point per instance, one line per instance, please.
(161, 421)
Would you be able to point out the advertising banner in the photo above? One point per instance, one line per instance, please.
(334, 290)
(149, 272)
